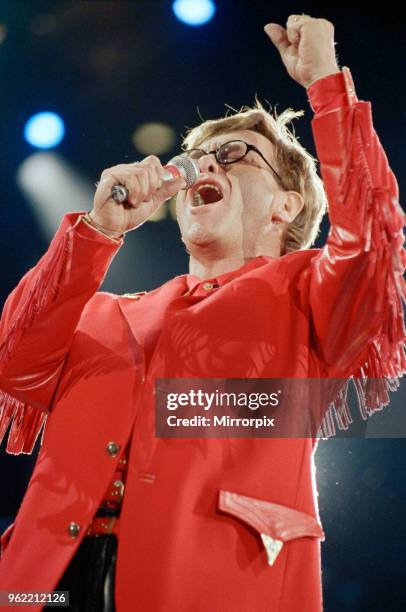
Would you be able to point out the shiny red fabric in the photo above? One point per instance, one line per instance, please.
(77, 355)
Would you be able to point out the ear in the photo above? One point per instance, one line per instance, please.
(287, 207)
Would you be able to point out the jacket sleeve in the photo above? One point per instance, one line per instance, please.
(38, 322)
(356, 285)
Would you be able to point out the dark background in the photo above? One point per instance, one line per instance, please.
(107, 67)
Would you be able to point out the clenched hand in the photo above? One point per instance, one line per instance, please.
(306, 47)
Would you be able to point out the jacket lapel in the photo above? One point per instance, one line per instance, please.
(145, 312)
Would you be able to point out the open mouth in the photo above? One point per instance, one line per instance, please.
(206, 194)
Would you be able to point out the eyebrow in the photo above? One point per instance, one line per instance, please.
(212, 146)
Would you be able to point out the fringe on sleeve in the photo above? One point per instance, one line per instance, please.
(26, 424)
(386, 359)
(44, 290)
(26, 421)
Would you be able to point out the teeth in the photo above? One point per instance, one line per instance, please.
(211, 186)
(198, 200)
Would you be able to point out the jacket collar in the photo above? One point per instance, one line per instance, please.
(223, 279)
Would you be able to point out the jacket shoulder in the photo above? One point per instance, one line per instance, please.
(294, 262)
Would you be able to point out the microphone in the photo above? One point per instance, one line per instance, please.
(177, 166)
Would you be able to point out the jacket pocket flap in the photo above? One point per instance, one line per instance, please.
(280, 523)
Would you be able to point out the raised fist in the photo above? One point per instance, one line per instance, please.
(306, 47)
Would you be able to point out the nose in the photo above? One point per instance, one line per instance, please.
(208, 163)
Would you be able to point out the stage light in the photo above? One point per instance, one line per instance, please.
(44, 130)
(194, 12)
(154, 138)
(53, 187)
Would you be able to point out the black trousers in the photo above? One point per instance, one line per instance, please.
(89, 577)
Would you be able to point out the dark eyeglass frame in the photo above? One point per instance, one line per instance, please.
(249, 147)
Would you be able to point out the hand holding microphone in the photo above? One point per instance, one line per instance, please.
(128, 194)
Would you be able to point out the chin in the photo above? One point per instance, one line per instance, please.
(198, 243)
(199, 235)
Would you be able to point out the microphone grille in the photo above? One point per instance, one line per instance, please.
(187, 167)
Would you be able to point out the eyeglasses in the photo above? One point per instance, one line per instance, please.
(229, 153)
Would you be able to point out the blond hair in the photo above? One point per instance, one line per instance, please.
(295, 166)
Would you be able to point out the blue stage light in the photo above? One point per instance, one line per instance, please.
(194, 12)
(44, 130)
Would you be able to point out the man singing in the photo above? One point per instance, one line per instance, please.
(123, 519)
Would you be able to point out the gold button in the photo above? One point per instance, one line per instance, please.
(208, 286)
(113, 448)
(73, 530)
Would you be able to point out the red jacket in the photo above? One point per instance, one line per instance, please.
(194, 509)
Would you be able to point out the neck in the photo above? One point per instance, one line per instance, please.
(205, 263)
(204, 269)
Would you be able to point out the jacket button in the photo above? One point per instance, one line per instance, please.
(208, 286)
(73, 530)
(112, 448)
